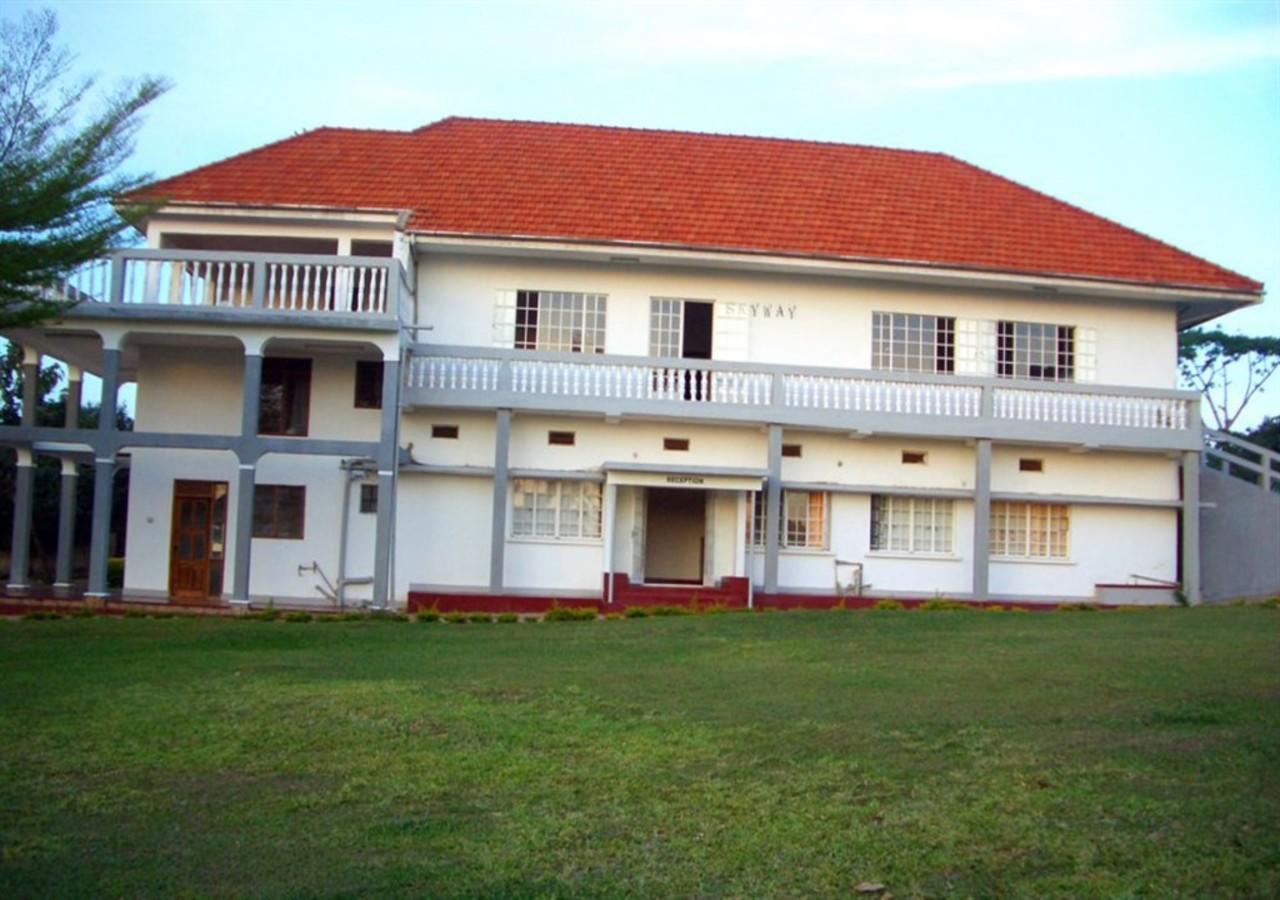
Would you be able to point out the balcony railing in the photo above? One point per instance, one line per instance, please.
(858, 400)
(289, 283)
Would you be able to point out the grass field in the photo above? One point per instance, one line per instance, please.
(935, 753)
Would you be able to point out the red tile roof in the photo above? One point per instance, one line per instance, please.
(716, 192)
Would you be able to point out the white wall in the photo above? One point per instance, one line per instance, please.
(824, 321)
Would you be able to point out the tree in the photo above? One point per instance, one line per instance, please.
(1229, 369)
(59, 167)
(1266, 433)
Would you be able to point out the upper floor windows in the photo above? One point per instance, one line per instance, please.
(368, 393)
(907, 342)
(284, 402)
(1036, 351)
(560, 321)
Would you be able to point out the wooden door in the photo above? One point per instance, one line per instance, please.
(190, 546)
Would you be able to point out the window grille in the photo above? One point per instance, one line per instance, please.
(803, 525)
(1030, 530)
(906, 342)
(666, 327)
(912, 524)
(555, 510)
(560, 321)
(1035, 351)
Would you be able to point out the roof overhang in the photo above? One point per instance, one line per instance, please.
(1194, 304)
(240, 214)
(698, 478)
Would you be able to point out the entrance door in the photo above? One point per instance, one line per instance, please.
(675, 535)
(196, 539)
(682, 328)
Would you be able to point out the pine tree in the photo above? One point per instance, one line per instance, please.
(59, 167)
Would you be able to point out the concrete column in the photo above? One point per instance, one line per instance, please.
(23, 494)
(66, 528)
(104, 470)
(67, 493)
(498, 534)
(773, 511)
(608, 512)
(982, 519)
(388, 450)
(1190, 549)
(251, 395)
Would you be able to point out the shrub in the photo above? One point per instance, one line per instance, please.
(944, 605)
(481, 618)
(635, 612)
(429, 615)
(612, 617)
(994, 607)
(559, 613)
(352, 617)
(42, 615)
(717, 609)
(83, 612)
(456, 618)
(1077, 607)
(1272, 603)
(669, 611)
(134, 614)
(115, 572)
(507, 618)
(163, 615)
(298, 617)
(887, 605)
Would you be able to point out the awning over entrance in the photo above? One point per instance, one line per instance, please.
(701, 478)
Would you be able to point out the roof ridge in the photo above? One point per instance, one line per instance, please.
(1058, 201)
(630, 129)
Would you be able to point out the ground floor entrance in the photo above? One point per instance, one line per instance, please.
(197, 540)
(675, 545)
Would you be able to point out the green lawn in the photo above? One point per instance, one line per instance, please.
(936, 753)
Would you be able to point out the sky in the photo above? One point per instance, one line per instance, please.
(1164, 116)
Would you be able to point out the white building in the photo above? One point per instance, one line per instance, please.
(498, 364)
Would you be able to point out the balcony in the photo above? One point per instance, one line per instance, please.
(343, 291)
(858, 402)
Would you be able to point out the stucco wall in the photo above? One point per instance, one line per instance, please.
(824, 321)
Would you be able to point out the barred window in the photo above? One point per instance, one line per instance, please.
(1035, 351)
(803, 525)
(555, 510)
(560, 321)
(1030, 530)
(906, 342)
(911, 524)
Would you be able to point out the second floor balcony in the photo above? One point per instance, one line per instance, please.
(859, 402)
(196, 284)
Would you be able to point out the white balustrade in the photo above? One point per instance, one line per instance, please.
(187, 282)
(1072, 408)
(454, 373)
(873, 395)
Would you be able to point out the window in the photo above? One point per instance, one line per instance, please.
(913, 458)
(445, 432)
(562, 438)
(1035, 351)
(560, 321)
(285, 399)
(368, 498)
(911, 524)
(278, 511)
(675, 443)
(665, 327)
(1030, 530)
(905, 342)
(555, 509)
(368, 384)
(791, 450)
(1030, 465)
(804, 520)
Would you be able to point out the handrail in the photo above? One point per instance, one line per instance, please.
(1222, 453)
(714, 365)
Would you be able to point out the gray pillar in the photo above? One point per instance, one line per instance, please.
(1191, 526)
(66, 529)
(773, 511)
(982, 519)
(387, 465)
(67, 496)
(104, 470)
(498, 535)
(20, 550)
(251, 396)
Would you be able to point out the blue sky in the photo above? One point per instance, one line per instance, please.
(1163, 116)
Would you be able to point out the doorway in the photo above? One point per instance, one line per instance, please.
(675, 536)
(197, 541)
(682, 329)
